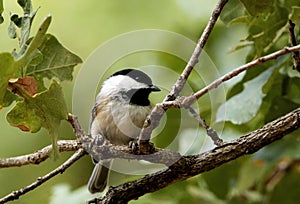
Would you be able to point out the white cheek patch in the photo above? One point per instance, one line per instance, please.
(116, 84)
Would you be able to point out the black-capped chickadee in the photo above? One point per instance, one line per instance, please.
(119, 113)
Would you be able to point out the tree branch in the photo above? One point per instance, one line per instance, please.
(40, 155)
(189, 166)
(40, 180)
(156, 114)
(101, 149)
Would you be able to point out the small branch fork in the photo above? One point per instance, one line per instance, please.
(156, 114)
(181, 102)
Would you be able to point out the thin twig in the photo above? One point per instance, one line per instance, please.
(40, 155)
(40, 180)
(188, 101)
(157, 112)
(209, 130)
(176, 89)
(191, 99)
(296, 57)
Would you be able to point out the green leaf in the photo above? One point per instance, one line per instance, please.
(252, 171)
(24, 3)
(8, 98)
(287, 190)
(35, 58)
(241, 46)
(45, 109)
(7, 71)
(221, 180)
(24, 22)
(264, 29)
(295, 15)
(1, 11)
(289, 4)
(57, 61)
(241, 19)
(279, 107)
(233, 10)
(27, 50)
(29, 53)
(24, 116)
(242, 107)
(293, 90)
(256, 7)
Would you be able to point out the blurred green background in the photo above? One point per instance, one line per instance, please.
(82, 26)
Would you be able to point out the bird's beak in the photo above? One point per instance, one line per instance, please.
(154, 88)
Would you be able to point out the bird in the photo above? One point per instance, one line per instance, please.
(120, 110)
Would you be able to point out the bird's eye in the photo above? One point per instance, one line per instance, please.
(137, 78)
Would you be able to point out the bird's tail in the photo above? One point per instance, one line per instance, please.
(98, 179)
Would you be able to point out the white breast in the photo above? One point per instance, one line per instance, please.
(119, 123)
